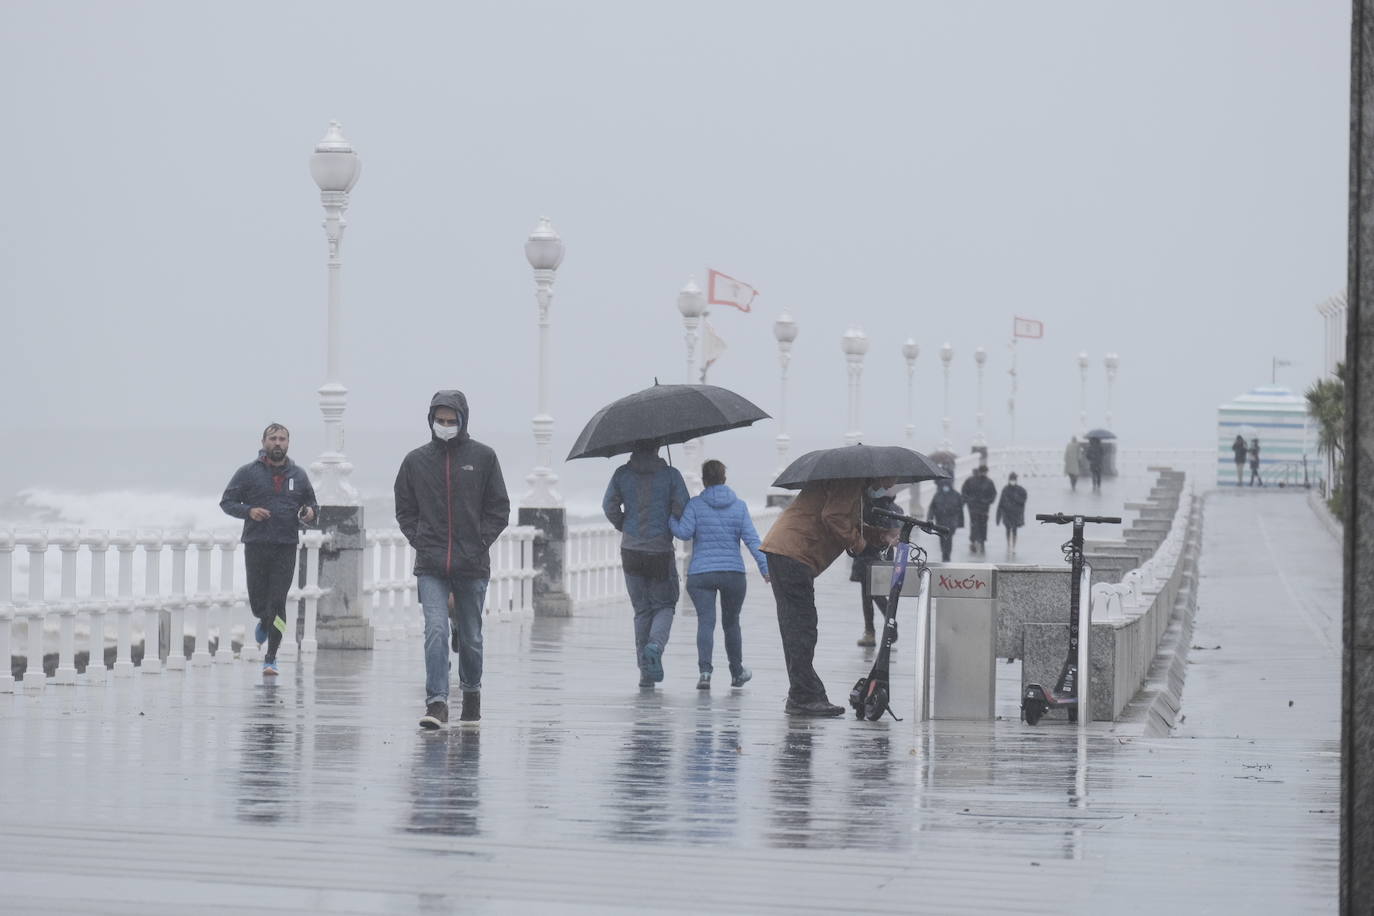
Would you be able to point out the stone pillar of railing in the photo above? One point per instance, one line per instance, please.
(343, 620)
(6, 608)
(69, 542)
(550, 558)
(156, 630)
(37, 545)
(176, 613)
(96, 606)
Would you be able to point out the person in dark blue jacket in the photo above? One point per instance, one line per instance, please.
(716, 522)
(644, 493)
(273, 496)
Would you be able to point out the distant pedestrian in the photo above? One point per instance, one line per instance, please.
(946, 510)
(1254, 462)
(643, 495)
(821, 523)
(451, 505)
(1239, 450)
(273, 496)
(1072, 459)
(716, 522)
(979, 493)
(1095, 454)
(859, 570)
(1011, 510)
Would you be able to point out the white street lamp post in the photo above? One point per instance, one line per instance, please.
(980, 356)
(854, 343)
(784, 331)
(1111, 361)
(544, 250)
(1083, 390)
(910, 350)
(946, 355)
(335, 168)
(691, 302)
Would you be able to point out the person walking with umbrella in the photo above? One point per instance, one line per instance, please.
(716, 522)
(643, 495)
(1011, 510)
(1095, 453)
(979, 493)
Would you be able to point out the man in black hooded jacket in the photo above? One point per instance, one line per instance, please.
(451, 505)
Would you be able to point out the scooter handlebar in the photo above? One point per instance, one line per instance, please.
(1059, 518)
(927, 527)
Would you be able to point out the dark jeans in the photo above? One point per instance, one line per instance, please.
(794, 589)
(870, 601)
(1097, 478)
(946, 546)
(702, 588)
(654, 601)
(977, 526)
(269, 568)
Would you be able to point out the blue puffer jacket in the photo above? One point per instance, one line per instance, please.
(715, 522)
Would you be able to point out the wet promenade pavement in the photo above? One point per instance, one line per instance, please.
(209, 791)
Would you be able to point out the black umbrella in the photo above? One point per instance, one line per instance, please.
(1101, 434)
(662, 415)
(943, 459)
(860, 462)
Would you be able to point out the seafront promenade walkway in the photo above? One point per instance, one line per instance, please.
(211, 791)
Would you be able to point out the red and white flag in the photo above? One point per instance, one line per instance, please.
(723, 289)
(1027, 327)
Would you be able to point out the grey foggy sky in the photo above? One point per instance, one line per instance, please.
(1165, 180)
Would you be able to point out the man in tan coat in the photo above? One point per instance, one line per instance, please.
(820, 524)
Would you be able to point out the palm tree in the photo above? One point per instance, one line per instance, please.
(1326, 405)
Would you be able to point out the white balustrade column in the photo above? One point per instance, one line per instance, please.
(152, 604)
(205, 552)
(311, 540)
(124, 542)
(34, 678)
(69, 543)
(98, 542)
(6, 607)
(224, 650)
(176, 629)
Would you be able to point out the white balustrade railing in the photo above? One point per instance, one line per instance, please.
(1133, 595)
(82, 607)
(391, 599)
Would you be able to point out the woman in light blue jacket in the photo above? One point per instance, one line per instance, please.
(715, 522)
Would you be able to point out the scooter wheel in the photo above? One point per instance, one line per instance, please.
(1032, 710)
(856, 697)
(876, 704)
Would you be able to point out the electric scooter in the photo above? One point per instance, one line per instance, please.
(871, 695)
(1037, 701)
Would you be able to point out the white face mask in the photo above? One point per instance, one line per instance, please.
(877, 492)
(445, 432)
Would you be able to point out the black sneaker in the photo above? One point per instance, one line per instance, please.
(436, 715)
(472, 706)
(813, 708)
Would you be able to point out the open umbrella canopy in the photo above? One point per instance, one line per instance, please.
(1101, 434)
(662, 415)
(943, 459)
(859, 462)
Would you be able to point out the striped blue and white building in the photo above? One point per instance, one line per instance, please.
(1287, 436)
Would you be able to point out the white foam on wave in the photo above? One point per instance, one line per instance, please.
(113, 509)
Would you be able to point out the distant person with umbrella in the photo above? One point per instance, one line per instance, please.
(1011, 510)
(824, 521)
(645, 494)
(979, 493)
(1254, 462)
(1238, 449)
(717, 522)
(946, 510)
(1095, 454)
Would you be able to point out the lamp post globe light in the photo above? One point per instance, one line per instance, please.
(946, 355)
(691, 302)
(980, 357)
(1083, 363)
(335, 167)
(910, 350)
(544, 250)
(1111, 361)
(784, 332)
(854, 343)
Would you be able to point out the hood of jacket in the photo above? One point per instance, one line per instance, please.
(645, 462)
(718, 496)
(449, 397)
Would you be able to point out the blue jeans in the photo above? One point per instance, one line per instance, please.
(468, 597)
(702, 588)
(653, 601)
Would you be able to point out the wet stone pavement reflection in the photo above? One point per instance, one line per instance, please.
(209, 791)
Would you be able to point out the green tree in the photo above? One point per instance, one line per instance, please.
(1326, 406)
